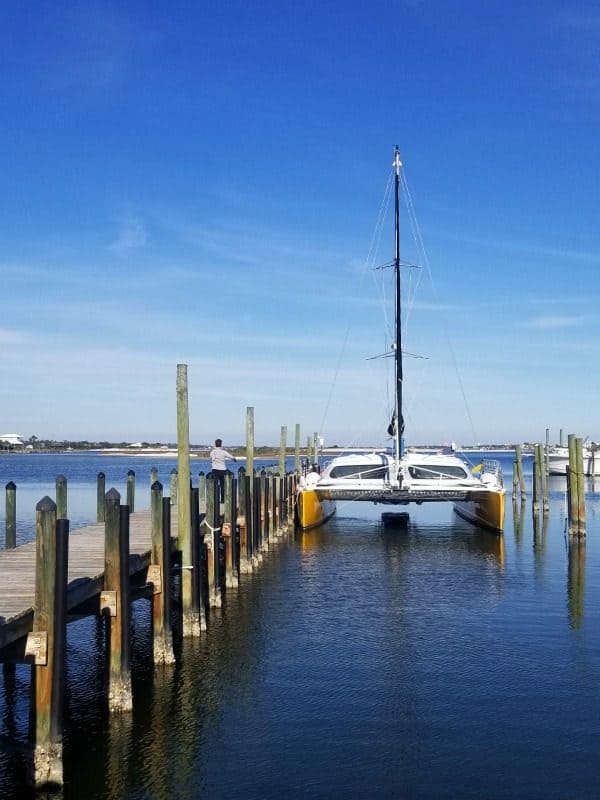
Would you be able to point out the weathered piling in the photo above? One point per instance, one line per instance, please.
(212, 540)
(131, 491)
(159, 573)
(10, 537)
(264, 512)
(256, 520)
(61, 497)
(174, 481)
(197, 544)
(282, 449)
(100, 494)
(297, 449)
(153, 477)
(46, 643)
(540, 494)
(228, 531)
(576, 488)
(250, 440)
(519, 472)
(244, 564)
(537, 478)
(580, 487)
(190, 620)
(114, 601)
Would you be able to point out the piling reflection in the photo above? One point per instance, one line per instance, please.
(540, 537)
(576, 581)
(518, 520)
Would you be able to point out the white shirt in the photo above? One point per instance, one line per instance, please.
(218, 456)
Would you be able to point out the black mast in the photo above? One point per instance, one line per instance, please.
(396, 427)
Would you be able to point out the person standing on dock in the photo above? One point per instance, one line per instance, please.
(218, 457)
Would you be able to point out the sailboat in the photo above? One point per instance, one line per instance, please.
(401, 477)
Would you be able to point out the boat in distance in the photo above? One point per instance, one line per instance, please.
(558, 460)
(402, 476)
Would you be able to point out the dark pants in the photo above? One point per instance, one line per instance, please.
(219, 475)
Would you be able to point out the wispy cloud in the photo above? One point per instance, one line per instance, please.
(11, 336)
(554, 323)
(132, 234)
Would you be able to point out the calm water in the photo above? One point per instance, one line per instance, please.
(431, 661)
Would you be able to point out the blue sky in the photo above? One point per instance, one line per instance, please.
(200, 182)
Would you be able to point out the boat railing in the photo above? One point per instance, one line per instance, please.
(492, 467)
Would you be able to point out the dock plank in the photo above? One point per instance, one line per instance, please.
(86, 571)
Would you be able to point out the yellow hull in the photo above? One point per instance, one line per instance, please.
(486, 509)
(312, 511)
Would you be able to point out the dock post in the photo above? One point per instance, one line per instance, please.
(547, 453)
(46, 643)
(10, 539)
(100, 492)
(580, 488)
(197, 546)
(131, 491)
(243, 565)
(521, 473)
(282, 449)
(61, 497)
(275, 504)
(159, 576)
(543, 457)
(297, 449)
(228, 532)
(572, 488)
(173, 486)
(537, 477)
(256, 520)
(191, 622)
(153, 477)
(264, 511)
(212, 540)
(114, 601)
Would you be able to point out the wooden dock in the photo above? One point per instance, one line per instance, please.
(85, 572)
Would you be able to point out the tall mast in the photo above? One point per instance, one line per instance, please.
(398, 418)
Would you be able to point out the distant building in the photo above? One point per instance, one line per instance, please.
(10, 441)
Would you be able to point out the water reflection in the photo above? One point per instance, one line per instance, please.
(576, 581)
(540, 536)
(518, 520)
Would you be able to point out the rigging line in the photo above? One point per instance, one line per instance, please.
(373, 247)
(444, 323)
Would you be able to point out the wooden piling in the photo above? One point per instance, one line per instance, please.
(297, 449)
(212, 540)
(100, 493)
(572, 496)
(61, 497)
(174, 481)
(256, 520)
(10, 539)
(153, 477)
(228, 531)
(191, 623)
(537, 477)
(282, 449)
(159, 576)
(520, 472)
(114, 601)
(131, 491)
(197, 546)
(46, 643)
(244, 564)
(580, 488)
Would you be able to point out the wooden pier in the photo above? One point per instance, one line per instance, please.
(102, 568)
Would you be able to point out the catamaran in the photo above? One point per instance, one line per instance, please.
(403, 476)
